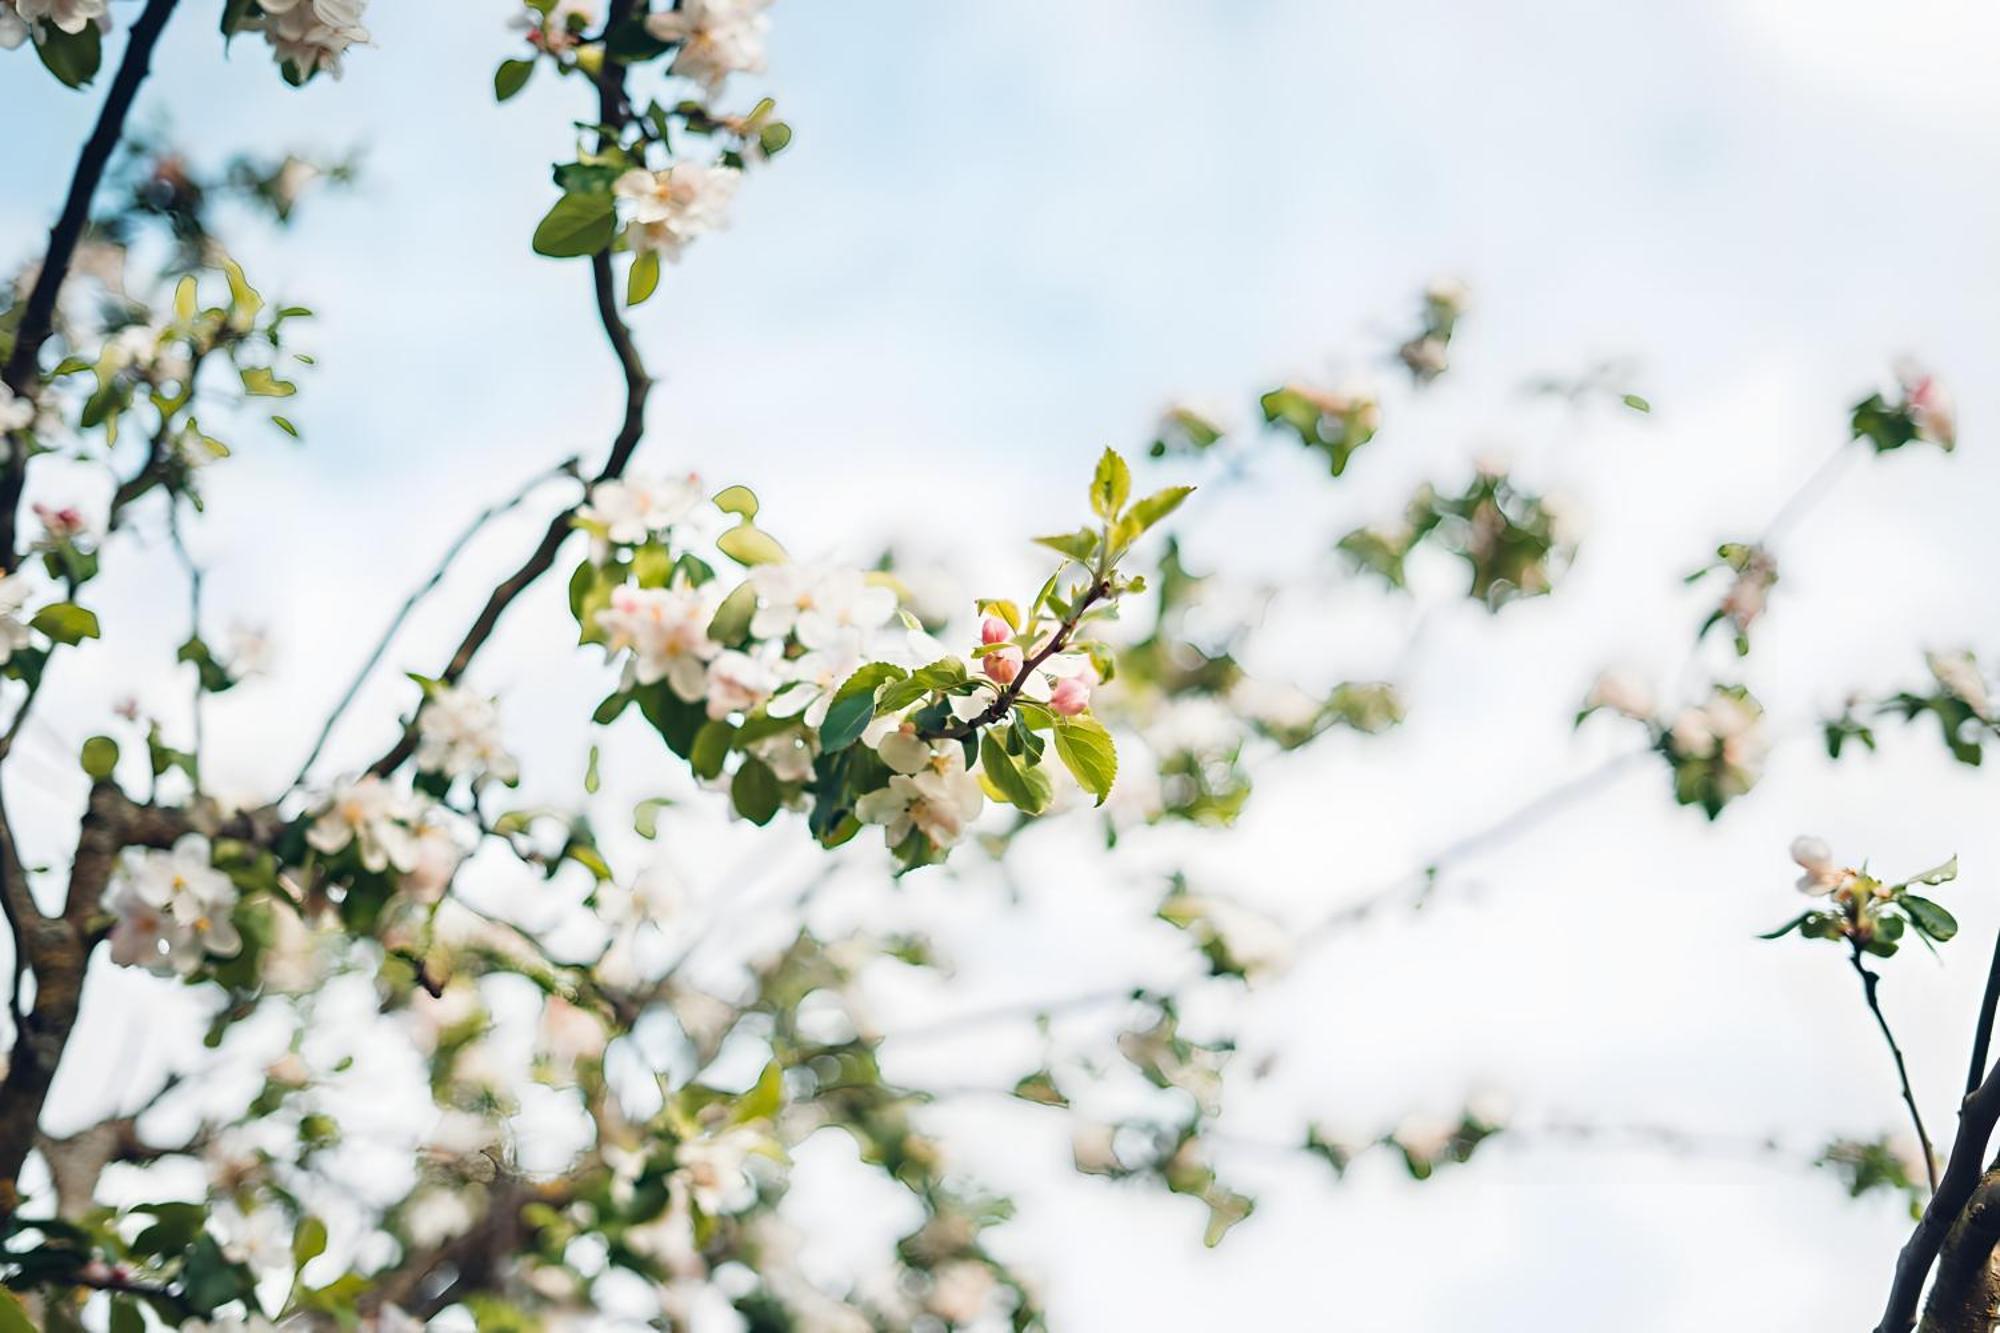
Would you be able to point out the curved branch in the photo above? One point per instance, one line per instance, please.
(612, 114)
(22, 373)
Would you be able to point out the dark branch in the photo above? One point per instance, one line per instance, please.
(1962, 1173)
(1982, 1036)
(1868, 983)
(23, 372)
(613, 115)
(567, 468)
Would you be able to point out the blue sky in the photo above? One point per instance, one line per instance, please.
(1005, 237)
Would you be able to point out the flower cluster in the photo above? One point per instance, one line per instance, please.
(1335, 422)
(1715, 748)
(798, 688)
(1861, 910)
(669, 208)
(308, 36)
(713, 39)
(172, 909)
(1514, 542)
(1426, 355)
(1754, 572)
(1921, 412)
(458, 736)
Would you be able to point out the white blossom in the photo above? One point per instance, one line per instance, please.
(672, 207)
(16, 412)
(311, 35)
(1822, 875)
(938, 802)
(666, 631)
(458, 735)
(717, 38)
(172, 908)
(1961, 677)
(14, 634)
(1623, 693)
(738, 682)
(71, 16)
(632, 509)
(13, 32)
(380, 820)
(715, 1169)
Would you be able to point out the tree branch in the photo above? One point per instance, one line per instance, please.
(22, 372)
(1982, 1035)
(567, 468)
(1962, 1174)
(1004, 700)
(1868, 983)
(613, 114)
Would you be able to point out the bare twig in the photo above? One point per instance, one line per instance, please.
(1868, 983)
(22, 372)
(566, 468)
(1417, 884)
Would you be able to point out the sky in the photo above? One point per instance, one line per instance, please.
(1007, 236)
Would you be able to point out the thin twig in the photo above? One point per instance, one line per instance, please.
(22, 373)
(955, 730)
(1417, 884)
(1868, 983)
(566, 468)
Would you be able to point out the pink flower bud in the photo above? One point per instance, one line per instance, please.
(1070, 696)
(1002, 665)
(994, 630)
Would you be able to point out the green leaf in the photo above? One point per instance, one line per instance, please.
(66, 622)
(308, 1242)
(1636, 403)
(1943, 874)
(711, 748)
(755, 791)
(644, 278)
(100, 757)
(511, 78)
(1158, 505)
(263, 382)
(731, 623)
(125, 1316)
(1110, 486)
(1023, 787)
(739, 500)
(750, 546)
(646, 816)
(1086, 750)
(1080, 545)
(73, 57)
(853, 706)
(13, 1319)
(1930, 918)
(577, 224)
(1788, 927)
(764, 1100)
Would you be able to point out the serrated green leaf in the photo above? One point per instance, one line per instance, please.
(1088, 752)
(1110, 486)
(1021, 786)
(1929, 917)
